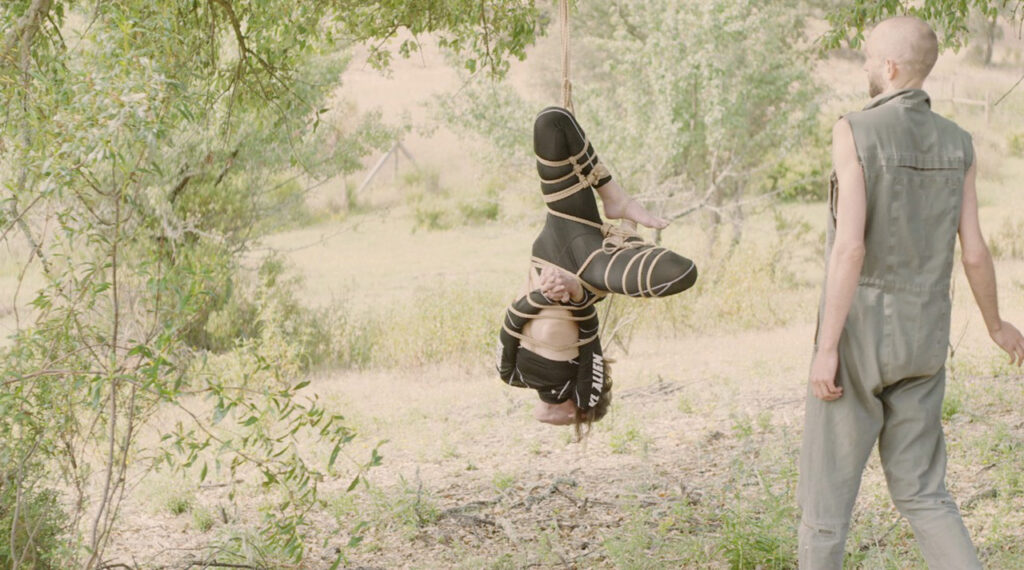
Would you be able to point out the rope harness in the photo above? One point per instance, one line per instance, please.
(617, 239)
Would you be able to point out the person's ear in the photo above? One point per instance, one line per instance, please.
(891, 69)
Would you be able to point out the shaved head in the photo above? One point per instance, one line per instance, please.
(907, 42)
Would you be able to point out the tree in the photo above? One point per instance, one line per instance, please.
(692, 104)
(144, 145)
(950, 18)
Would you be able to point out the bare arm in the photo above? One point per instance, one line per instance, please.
(981, 274)
(845, 263)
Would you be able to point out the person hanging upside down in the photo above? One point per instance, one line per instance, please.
(577, 260)
(556, 351)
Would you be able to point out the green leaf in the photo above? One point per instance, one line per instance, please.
(334, 455)
(220, 411)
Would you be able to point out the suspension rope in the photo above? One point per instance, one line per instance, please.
(566, 82)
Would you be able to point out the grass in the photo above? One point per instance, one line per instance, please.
(746, 520)
(504, 481)
(629, 439)
(701, 477)
(406, 508)
(203, 519)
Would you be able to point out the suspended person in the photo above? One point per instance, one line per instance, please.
(903, 188)
(582, 259)
(555, 350)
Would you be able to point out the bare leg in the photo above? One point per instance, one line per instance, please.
(619, 205)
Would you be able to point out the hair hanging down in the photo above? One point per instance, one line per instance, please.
(598, 411)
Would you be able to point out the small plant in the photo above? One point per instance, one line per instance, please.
(1015, 144)
(504, 481)
(410, 507)
(431, 218)
(952, 404)
(179, 504)
(479, 212)
(246, 546)
(203, 519)
(631, 440)
(536, 448)
(427, 180)
(760, 535)
(685, 404)
(742, 426)
(1008, 242)
(505, 562)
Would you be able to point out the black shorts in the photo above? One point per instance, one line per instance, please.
(553, 380)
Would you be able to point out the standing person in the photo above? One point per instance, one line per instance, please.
(903, 187)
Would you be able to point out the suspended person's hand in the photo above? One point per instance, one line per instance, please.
(560, 285)
(1009, 339)
(823, 375)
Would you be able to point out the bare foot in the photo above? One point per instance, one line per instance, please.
(635, 212)
(620, 206)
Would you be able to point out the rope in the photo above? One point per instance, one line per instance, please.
(566, 83)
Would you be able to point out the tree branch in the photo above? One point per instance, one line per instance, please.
(20, 37)
(235, 25)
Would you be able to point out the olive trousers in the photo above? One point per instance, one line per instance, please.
(905, 419)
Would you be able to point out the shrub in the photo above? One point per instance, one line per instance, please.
(40, 526)
(1015, 144)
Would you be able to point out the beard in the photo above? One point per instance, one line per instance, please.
(875, 87)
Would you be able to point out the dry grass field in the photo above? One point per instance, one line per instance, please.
(695, 466)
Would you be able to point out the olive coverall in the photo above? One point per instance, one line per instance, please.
(892, 350)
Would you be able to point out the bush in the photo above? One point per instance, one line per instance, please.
(803, 176)
(41, 524)
(266, 309)
(479, 212)
(1015, 144)
(756, 283)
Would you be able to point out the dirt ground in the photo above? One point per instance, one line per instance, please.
(469, 480)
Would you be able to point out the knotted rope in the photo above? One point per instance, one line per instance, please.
(621, 236)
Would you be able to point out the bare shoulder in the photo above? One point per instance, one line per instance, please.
(844, 148)
(842, 131)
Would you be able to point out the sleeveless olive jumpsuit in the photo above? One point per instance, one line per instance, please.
(892, 350)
